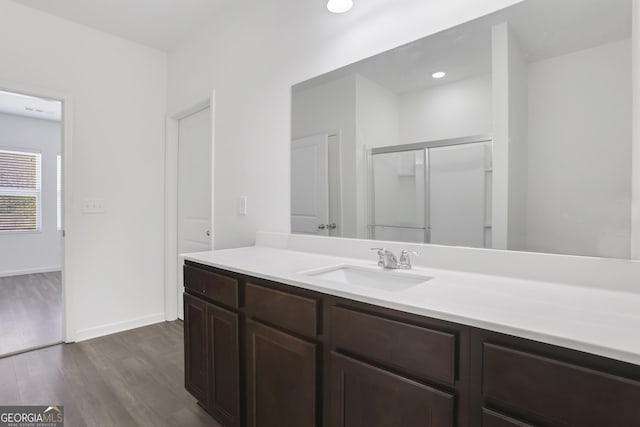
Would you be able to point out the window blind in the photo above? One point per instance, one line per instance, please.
(20, 191)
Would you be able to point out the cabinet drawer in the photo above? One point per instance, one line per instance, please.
(367, 396)
(495, 419)
(292, 312)
(219, 288)
(558, 392)
(416, 350)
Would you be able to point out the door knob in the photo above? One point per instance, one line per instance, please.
(332, 226)
(208, 232)
(322, 227)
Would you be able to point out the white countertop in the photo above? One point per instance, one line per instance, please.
(598, 321)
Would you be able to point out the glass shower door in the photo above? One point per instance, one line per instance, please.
(459, 195)
(398, 203)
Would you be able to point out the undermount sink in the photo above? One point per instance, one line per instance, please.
(388, 280)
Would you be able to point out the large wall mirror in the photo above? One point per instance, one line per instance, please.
(512, 131)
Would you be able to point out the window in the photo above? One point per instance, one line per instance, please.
(20, 191)
(59, 186)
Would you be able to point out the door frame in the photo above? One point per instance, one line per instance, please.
(172, 127)
(67, 285)
(337, 160)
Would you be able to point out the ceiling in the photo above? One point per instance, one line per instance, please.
(544, 29)
(30, 106)
(160, 24)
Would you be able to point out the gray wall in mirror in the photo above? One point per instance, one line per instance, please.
(525, 144)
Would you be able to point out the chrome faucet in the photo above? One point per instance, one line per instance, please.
(387, 259)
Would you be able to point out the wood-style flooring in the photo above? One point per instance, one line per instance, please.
(133, 378)
(30, 311)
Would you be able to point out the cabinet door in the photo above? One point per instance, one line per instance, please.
(281, 378)
(195, 348)
(223, 365)
(366, 396)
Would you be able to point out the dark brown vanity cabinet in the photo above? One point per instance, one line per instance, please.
(282, 357)
(212, 350)
(223, 363)
(495, 419)
(363, 395)
(420, 351)
(387, 371)
(265, 354)
(196, 372)
(543, 385)
(281, 378)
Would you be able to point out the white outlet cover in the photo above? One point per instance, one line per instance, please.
(93, 205)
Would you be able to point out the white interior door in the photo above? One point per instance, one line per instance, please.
(310, 185)
(194, 189)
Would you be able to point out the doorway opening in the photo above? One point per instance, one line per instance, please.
(194, 188)
(189, 194)
(31, 222)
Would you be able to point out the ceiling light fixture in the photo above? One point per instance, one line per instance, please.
(339, 6)
(438, 75)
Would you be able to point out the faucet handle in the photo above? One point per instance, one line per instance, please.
(404, 255)
(405, 259)
(381, 252)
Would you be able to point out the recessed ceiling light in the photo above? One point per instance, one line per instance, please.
(339, 6)
(438, 75)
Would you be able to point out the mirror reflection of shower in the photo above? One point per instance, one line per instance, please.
(432, 192)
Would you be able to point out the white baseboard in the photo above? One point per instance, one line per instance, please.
(30, 271)
(112, 328)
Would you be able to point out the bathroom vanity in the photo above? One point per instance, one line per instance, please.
(522, 149)
(269, 343)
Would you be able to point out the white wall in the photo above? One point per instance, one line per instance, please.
(331, 108)
(253, 55)
(517, 122)
(509, 192)
(635, 120)
(500, 35)
(580, 152)
(32, 252)
(114, 260)
(377, 125)
(452, 110)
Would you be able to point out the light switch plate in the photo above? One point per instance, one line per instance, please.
(242, 206)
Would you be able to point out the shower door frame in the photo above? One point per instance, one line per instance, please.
(425, 146)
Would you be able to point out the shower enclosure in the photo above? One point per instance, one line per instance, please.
(432, 192)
